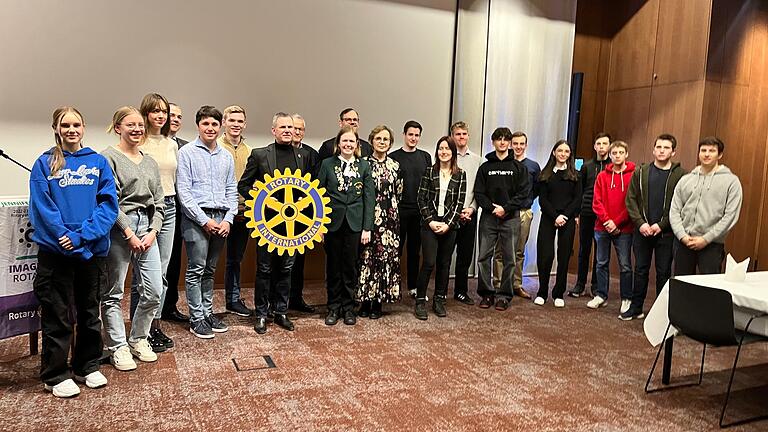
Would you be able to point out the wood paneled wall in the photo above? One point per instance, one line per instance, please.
(688, 67)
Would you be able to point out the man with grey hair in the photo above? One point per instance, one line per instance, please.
(273, 271)
(296, 301)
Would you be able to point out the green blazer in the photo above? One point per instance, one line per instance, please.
(352, 198)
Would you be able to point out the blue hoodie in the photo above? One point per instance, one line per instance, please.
(79, 202)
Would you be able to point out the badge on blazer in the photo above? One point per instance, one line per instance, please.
(288, 212)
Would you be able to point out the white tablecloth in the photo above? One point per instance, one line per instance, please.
(749, 297)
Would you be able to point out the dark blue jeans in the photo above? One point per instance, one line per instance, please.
(659, 246)
(622, 243)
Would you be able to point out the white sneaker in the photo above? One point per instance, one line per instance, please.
(142, 351)
(625, 304)
(122, 360)
(597, 302)
(412, 293)
(64, 389)
(559, 303)
(539, 301)
(93, 380)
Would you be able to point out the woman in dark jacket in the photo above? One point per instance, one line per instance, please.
(348, 182)
(559, 198)
(441, 195)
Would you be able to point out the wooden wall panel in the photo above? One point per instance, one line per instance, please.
(676, 109)
(632, 49)
(681, 49)
(626, 116)
(586, 59)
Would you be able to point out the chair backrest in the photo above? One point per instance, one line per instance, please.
(702, 313)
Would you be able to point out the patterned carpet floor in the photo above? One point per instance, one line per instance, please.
(529, 368)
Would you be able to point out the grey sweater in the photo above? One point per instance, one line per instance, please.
(138, 187)
(706, 205)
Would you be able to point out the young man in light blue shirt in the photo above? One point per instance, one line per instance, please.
(207, 190)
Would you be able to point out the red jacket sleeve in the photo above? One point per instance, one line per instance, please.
(600, 198)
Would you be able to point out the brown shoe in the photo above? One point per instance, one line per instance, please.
(522, 293)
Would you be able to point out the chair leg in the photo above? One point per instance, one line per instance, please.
(653, 367)
(703, 353)
(730, 383)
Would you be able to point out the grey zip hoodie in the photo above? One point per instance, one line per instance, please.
(706, 205)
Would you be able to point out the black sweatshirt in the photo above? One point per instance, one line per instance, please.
(558, 196)
(588, 174)
(412, 168)
(503, 182)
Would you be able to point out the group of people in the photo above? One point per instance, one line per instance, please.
(95, 214)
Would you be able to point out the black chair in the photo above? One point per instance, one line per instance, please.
(705, 315)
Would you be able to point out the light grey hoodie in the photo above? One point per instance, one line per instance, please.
(706, 205)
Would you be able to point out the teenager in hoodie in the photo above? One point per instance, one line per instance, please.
(72, 208)
(613, 225)
(501, 187)
(648, 200)
(586, 220)
(704, 208)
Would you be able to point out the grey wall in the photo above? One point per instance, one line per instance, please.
(391, 60)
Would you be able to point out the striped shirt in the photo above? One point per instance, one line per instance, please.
(206, 180)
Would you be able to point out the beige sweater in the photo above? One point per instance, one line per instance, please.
(164, 151)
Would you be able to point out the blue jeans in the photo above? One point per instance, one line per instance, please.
(165, 243)
(623, 245)
(237, 241)
(148, 263)
(202, 254)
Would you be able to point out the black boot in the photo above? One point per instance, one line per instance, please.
(376, 309)
(438, 306)
(365, 309)
(421, 309)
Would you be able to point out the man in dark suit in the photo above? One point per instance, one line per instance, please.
(273, 271)
(170, 310)
(296, 301)
(348, 117)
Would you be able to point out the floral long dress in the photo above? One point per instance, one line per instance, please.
(380, 260)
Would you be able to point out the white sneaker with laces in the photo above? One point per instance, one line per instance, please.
(597, 302)
(559, 303)
(539, 301)
(141, 350)
(64, 389)
(122, 359)
(93, 380)
(625, 304)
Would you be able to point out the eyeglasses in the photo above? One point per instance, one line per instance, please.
(350, 119)
(132, 126)
(381, 139)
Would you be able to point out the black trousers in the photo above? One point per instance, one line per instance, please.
(436, 252)
(174, 267)
(660, 247)
(545, 254)
(465, 254)
(708, 260)
(410, 238)
(342, 251)
(297, 278)
(586, 243)
(273, 281)
(62, 282)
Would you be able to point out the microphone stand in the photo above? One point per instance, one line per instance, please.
(5, 155)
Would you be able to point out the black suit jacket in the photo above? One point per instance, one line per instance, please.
(264, 161)
(326, 150)
(179, 141)
(313, 159)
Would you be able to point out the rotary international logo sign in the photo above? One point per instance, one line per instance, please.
(288, 212)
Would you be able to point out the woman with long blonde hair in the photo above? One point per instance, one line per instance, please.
(72, 207)
(140, 218)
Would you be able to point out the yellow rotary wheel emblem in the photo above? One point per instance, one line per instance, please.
(288, 212)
